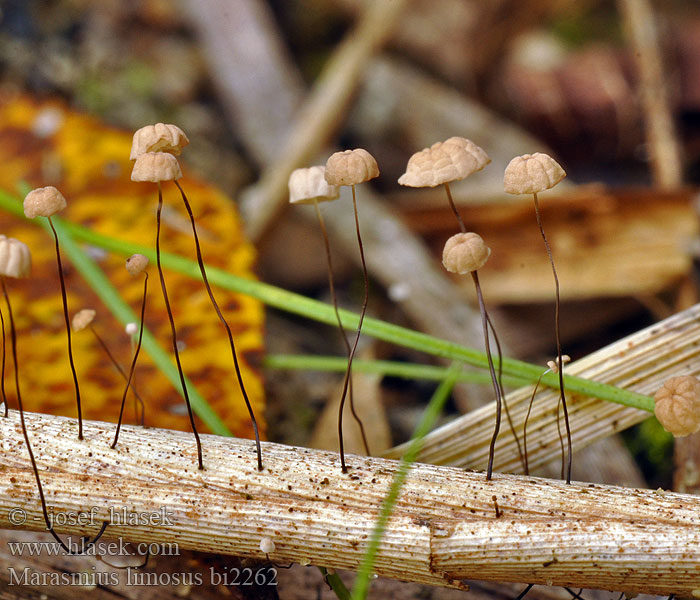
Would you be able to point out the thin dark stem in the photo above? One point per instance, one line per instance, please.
(525, 592)
(237, 367)
(173, 331)
(357, 335)
(2, 375)
(334, 299)
(561, 439)
(462, 226)
(558, 338)
(133, 362)
(494, 379)
(527, 417)
(68, 334)
(576, 596)
(35, 469)
(113, 360)
(503, 395)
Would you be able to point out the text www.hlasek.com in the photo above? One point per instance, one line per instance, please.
(111, 548)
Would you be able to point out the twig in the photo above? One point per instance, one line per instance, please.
(442, 531)
(320, 114)
(639, 362)
(642, 34)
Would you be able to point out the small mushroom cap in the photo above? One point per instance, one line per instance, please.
(161, 137)
(351, 167)
(451, 160)
(678, 405)
(43, 202)
(532, 173)
(307, 186)
(155, 167)
(15, 258)
(464, 253)
(83, 318)
(267, 545)
(136, 264)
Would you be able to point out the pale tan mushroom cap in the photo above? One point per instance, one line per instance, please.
(451, 160)
(161, 137)
(136, 264)
(43, 202)
(678, 405)
(532, 173)
(155, 167)
(83, 318)
(464, 253)
(351, 167)
(267, 545)
(307, 186)
(15, 258)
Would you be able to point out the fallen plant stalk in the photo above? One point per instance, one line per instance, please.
(640, 362)
(442, 531)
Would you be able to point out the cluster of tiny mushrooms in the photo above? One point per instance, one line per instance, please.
(154, 150)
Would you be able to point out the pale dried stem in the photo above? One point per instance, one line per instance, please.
(321, 113)
(643, 38)
(639, 362)
(443, 530)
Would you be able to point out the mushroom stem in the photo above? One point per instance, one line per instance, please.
(173, 331)
(558, 341)
(133, 363)
(357, 335)
(2, 374)
(494, 379)
(113, 360)
(525, 592)
(526, 467)
(68, 333)
(503, 395)
(462, 226)
(35, 469)
(225, 324)
(334, 299)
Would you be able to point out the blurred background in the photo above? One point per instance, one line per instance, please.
(611, 89)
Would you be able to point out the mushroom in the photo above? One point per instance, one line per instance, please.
(267, 545)
(46, 202)
(16, 262)
(351, 167)
(135, 265)
(83, 320)
(157, 167)
(309, 186)
(532, 174)
(677, 405)
(467, 253)
(452, 160)
(552, 367)
(161, 137)
(169, 140)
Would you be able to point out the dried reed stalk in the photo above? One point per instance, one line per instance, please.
(444, 529)
(639, 362)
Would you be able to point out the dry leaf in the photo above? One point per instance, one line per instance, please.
(89, 163)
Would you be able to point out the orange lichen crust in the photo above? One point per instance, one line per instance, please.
(90, 164)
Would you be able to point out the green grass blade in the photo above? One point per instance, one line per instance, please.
(336, 583)
(430, 416)
(309, 362)
(121, 311)
(319, 311)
